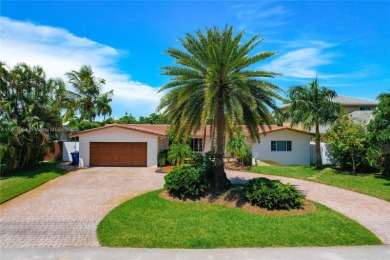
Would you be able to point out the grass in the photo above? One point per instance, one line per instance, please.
(370, 184)
(149, 221)
(16, 183)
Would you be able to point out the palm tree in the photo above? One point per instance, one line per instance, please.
(103, 104)
(88, 88)
(311, 105)
(237, 145)
(212, 84)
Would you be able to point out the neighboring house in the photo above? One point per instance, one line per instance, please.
(360, 109)
(139, 145)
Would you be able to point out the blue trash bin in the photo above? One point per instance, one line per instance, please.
(75, 158)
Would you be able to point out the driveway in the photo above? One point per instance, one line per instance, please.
(65, 212)
(372, 213)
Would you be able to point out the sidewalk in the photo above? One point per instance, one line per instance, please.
(104, 253)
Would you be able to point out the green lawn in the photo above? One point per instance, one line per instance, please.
(370, 184)
(149, 221)
(16, 183)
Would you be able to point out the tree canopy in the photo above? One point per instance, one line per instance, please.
(311, 105)
(214, 83)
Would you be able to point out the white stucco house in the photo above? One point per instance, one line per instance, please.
(139, 145)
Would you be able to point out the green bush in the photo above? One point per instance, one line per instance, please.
(162, 158)
(186, 181)
(271, 194)
(178, 153)
(197, 159)
(385, 165)
(85, 125)
(247, 159)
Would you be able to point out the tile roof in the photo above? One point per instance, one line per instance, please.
(345, 100)
(161, 130)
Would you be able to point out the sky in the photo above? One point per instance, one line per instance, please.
(344, 43)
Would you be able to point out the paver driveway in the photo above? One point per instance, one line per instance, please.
(370, 212)
(65, 212)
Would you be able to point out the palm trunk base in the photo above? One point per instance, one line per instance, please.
(220, 180)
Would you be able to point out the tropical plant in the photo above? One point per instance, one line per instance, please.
(127, 119)
(213, 84)
(237, 145)
(379, 129)
(272, 194)
(30, 109)
(88, 88)
(379, 126)
(153, 119)
(349, 143)
(103, 104)
(177, 153)
(311, 105)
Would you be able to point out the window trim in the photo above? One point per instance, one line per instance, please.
(288, 145)
(199, 146)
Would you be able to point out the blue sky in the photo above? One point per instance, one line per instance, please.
(345, 43)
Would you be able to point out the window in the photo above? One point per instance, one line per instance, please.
(365, 108)
(281, 146)
(197, 144)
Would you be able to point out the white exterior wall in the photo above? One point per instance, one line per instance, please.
(67, 148)
(163, 143)
(118, 134)
(299, 154)
(326, 154)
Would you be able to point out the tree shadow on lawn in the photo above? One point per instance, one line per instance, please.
(387, 178)
(33, 171)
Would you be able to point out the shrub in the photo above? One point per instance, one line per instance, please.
(85, 125)
(186, 181)
(197, 159)
(162, 158)
(247, 159)
(271, 194)
(178, 153)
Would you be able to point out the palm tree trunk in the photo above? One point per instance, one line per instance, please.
(220, 179)
(318, 148)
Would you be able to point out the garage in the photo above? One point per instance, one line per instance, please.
(126, 154)
(121, 145)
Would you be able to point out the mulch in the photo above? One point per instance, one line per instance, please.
(234, 198)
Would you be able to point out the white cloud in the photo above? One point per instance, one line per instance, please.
(260, 14)
(58, 51)
(300, 63)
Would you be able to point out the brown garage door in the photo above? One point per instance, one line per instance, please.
(118, 154)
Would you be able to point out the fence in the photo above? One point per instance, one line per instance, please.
(67, 148)
(326, 153)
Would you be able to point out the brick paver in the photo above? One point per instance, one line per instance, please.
(65, 212)
(370, 212)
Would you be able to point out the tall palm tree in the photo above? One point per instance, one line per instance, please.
(213, 84)
(312, 105)
(103, 104)
(88, 87)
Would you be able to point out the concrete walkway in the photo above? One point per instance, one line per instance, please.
(65, 212)
(301, 253)
(371, 212)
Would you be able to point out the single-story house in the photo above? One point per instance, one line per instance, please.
(139, 145)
